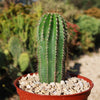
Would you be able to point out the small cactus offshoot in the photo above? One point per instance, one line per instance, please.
(14, 46)
(52, 33)
(15, 49)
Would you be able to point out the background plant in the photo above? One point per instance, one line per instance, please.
(85, 4)
(68, 11)
(94, 12)
(18, 36)
(89, 27)
(74, 39)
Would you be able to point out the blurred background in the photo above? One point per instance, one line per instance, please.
(18, 39)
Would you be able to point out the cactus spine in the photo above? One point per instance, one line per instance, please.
(51, 49)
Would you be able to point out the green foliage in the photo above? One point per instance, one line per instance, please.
(89, 27)
(67, 10)
(5, 29)
(87, 41)
(16, 9)
(24, 61)
(85, 4)
(51, 39)
(94, 12)
(18, 28)
(88, 24)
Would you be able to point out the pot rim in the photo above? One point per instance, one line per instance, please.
(79, 76)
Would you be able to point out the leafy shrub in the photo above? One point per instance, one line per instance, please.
(73, 30)
(95, 12)
(89, 27)
(16, 9)
(85, 4)
(74, 42)
(67, 10)
(88, 24)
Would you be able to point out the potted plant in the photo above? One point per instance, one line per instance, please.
(50, 82)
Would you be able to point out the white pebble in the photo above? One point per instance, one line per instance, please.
(73, 85)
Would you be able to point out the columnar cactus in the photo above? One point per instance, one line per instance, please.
(51, 39)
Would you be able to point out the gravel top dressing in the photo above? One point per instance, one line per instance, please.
(72, 85)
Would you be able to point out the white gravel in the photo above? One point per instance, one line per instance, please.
(73, 85)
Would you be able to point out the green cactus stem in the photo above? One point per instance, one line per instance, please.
(51, 39)
(15, 49)
(24, 61)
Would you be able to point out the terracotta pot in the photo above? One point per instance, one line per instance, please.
(30, 96)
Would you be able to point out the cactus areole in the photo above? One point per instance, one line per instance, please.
(52, 35)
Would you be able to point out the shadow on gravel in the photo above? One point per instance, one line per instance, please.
(75, 69)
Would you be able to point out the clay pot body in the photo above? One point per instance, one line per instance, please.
(30, 96)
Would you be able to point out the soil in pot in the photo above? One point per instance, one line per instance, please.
(72, 85)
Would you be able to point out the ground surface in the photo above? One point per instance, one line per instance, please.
(89, 66)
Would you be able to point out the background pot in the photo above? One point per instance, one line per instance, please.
(30, 96)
